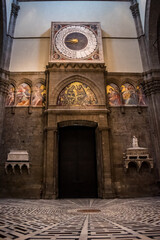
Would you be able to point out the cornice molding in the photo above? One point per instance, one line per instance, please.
(151, 86)
(76, 66)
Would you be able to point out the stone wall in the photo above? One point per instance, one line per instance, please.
(123, 126)
(23, 131)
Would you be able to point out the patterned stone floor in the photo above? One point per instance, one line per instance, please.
(83, 219)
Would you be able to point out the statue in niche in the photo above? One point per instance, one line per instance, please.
(135, 142)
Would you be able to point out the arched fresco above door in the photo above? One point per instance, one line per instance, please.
(77, 94)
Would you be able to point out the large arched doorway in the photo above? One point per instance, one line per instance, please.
(77, 162)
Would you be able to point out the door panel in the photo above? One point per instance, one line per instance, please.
(77, 162)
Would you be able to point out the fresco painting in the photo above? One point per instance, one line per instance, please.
(77, 94)
(129, 95)
(10, 98)
(141, 96)
(23, 95)
(39, 95)
(113, 95)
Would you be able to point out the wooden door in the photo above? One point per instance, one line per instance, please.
(77, 162)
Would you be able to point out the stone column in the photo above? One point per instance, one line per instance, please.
(14, 13)
(50, 163)
(140, 34)
(152, 91)
(107, 175)
(3, 94)
(151, 86)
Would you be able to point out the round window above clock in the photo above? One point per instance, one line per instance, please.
(76, 42)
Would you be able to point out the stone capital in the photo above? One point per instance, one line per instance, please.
(135, 10)
(151, 86)
(15, 9)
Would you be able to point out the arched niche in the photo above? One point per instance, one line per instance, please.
(132, 168)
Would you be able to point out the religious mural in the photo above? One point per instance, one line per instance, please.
(141, 96)
(10, 98)
(39, 95)
(77, 94)
(113, 95)
(23, 95)
(129, 95)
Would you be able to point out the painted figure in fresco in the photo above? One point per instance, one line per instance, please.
(128, 94)
(10, 97)
(91, 97)
(39, 94)
(113, 95)
(23, 95)
(77, 94)
(81, 94)
(141, 96)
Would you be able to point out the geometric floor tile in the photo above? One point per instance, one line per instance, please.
(83, 219)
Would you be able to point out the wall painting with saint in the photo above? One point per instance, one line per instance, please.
(141, 96)
(129, 95)
(11, 97)
(77, 94)
(113, 95)
(39, 95)
(23, 95)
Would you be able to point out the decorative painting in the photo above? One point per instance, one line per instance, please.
(10, 98)
(141, 96)
(129, 95)
(113, 95)
(23, 95)
(77, 94)
(39, 95)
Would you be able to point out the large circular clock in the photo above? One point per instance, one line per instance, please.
(75, 42)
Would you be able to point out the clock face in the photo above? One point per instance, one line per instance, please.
(75, 42)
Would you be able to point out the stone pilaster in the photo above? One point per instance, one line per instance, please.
(13, 16)
(50, 164)
(140, 34)
(3, 94)
(108, 191)
(151, 86)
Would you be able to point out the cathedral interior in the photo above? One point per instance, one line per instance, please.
(79, 99)
(79, 119)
